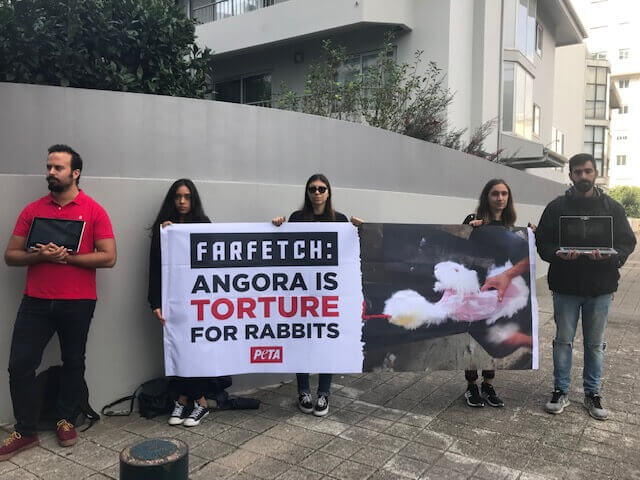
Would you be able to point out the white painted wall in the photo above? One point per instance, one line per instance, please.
(569, 95)
(249, 163)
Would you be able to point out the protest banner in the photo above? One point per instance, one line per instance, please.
(247, 298)
(325, 297)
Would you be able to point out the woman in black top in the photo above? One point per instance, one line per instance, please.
(181, 205)
(317, 207)
(495, 207)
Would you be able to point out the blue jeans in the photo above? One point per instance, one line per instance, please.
(566, 310)
(324, 383)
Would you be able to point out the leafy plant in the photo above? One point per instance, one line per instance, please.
(142, 46)
(629, 197)
(400, 97)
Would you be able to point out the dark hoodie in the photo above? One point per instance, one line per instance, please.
(583, 277)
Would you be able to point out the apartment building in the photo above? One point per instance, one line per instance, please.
(498, 55)
(614, 35)
(585, 99)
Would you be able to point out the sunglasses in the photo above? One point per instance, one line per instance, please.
(314, 189)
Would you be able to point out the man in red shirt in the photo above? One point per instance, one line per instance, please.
(60, 297)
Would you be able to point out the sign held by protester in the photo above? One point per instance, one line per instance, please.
(249, 298)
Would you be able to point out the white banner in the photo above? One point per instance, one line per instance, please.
(251, 297)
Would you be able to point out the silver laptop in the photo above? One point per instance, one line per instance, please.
(587, 234)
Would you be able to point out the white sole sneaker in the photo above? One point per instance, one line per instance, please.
(192, 422)
(173, 421)
(560, 410)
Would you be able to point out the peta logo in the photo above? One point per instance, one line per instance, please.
(266, 354)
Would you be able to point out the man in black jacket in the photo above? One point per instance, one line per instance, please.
(581, 282)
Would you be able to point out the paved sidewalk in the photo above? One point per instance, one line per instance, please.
(402, 425)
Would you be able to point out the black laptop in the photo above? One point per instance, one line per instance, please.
(587, 234)
(62, 232)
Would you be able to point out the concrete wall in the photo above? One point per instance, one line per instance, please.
(249, 163)
(568, 108)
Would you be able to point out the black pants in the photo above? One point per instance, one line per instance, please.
(192, 388)
(472, 375)
(38, 319)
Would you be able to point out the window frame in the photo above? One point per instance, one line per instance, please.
(242, 79)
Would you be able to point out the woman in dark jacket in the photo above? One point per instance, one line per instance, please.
(181, 205)
(495, 207)
(317, 207)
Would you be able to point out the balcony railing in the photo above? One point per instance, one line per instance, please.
(220, 9)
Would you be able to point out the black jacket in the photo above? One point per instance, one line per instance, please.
(154, 294)
(583, 277)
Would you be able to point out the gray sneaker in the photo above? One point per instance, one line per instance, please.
(594, 406)
(559, 400)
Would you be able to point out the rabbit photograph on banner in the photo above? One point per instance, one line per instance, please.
(448, 297)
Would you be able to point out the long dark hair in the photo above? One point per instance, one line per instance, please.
(483, 212)
(307, 208)
(168, 210)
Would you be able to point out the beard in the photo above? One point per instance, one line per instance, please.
(583, 186)
(57, 186)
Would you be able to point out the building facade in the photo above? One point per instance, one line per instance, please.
(614, 35)
(498, 55)
(586, 98)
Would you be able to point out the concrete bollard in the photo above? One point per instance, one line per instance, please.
(155, 459)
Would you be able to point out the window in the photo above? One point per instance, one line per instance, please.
(621, 160)
(539, 39)
(623, 53)
(520, 26)
(594, 143)
(599, 55)
(358, 64)
(623, 83)
(557, 141)
(536, 120)
(517, 101)
(251, 90)
(624, 109)
(596, 92)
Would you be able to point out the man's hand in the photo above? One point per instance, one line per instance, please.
(158, 313)
(570, 255)
(499, 282)
(596, 255)
(52, 253)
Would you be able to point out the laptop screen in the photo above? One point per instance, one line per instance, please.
(64, 233)
(586, 232)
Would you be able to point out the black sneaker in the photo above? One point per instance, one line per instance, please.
(305, 404)
(593, 403)
(196, 416)
(180, 412)
(559, 400)
(490, 395)
(322, 406)
(473, 396)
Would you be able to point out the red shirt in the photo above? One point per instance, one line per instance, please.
(62, 281)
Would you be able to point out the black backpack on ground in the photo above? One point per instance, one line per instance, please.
(48, 386)
(154, 398)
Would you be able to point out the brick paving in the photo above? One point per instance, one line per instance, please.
(400, 425)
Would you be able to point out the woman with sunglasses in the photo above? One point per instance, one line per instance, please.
(317, 207)
(181, 205)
